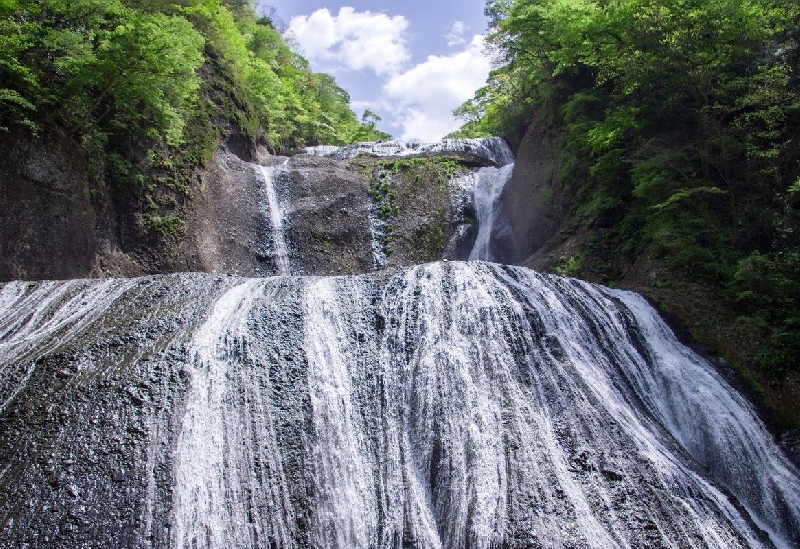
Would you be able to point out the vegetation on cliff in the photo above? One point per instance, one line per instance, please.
(680, 125)
(131, 66)
(148, 87)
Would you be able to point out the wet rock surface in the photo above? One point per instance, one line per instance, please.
(445, 405)
(51, 225)
(449, 404)
(366, 213)
(328, 216)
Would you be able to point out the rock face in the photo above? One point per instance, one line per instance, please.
(55, 224)
(50, 225)
(371, 206)
(223, 221)
(336, 211)
(534, 202)
(328, 217)
(442, 406)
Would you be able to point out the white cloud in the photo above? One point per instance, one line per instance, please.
(353, 40)
(424, 97)
(456, 35)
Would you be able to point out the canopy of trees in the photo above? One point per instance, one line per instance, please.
(102, 68)
(681, 140)
(146, 89)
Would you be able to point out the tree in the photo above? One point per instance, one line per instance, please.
(680, 121)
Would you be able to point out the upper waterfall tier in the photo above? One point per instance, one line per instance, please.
(493, 227)
(442, 406)
(275, 215)
(361, 213)
(308, 214)
(494, 149)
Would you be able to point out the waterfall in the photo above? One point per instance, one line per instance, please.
(488, 190)
(272, 211)
(446, 405)
(38, 317)
(343, 467)
(377, 229)
(494, 149)
(211, 483)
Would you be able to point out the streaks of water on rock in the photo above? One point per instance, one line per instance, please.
(447, 405)
(274, 212)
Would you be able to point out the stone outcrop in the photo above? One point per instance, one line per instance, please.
(54, 223)
(57, 221)
(534, 199)
(335, 226)
(328, 217)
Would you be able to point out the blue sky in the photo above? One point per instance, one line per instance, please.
(412, 62)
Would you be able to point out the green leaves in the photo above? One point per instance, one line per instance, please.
(143, 75)
(97, 65)
(15, 109)
(296, 106)
(631, 75)
(115, 68)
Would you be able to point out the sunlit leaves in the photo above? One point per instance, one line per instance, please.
(112, 67)
(295, 106)
(97, 65)
(765, 105)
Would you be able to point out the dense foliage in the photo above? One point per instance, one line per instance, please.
(680, 124)
(112, 64)
(117, 72)
(92, 64)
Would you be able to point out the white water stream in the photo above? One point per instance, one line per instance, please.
(446, 405)
(488, 191)
(275, 213)
(493, 149)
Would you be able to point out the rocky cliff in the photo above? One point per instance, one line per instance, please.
(343, 216)
(51, 225)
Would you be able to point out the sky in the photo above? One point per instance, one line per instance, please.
(409, 61)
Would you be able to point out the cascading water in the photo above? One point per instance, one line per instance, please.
(449, 405)
(493, 149)
(445, 405)
(488, 190)
(272, 210)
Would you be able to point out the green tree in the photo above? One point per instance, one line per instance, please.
(142, 76)
(95, 65)
(679, 122)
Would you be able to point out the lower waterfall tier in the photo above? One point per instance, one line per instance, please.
(446, 405)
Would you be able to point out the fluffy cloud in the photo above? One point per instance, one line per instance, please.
(417, 100)
(424, 97)
(353, 40)
(456, 35)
